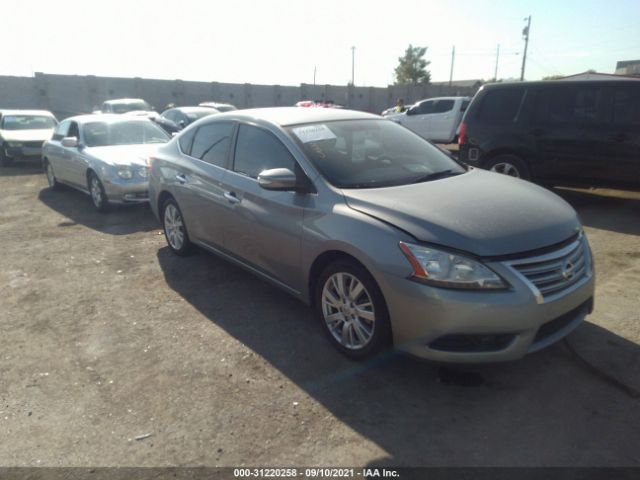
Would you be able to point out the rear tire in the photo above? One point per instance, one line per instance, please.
(352, 310)
(510, 165)
(175, 230)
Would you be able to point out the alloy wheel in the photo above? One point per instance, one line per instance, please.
(348, 311)
(506, 169)
(173, 227)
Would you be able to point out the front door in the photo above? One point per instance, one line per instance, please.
(263, 227)
(418, 118)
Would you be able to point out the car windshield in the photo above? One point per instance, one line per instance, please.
(371, 153)
(102, 134)
(130, 107)
(27, 122)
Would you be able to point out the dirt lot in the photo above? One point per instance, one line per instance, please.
(106, 337)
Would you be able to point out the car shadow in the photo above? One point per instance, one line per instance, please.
(613, 210)
(22, 167)
(545, 409)
(77, 207)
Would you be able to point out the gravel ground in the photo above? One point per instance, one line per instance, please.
(116, 353)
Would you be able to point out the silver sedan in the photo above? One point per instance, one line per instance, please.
(105, 156)
(390, 240)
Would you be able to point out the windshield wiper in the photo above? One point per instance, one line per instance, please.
(436, 175)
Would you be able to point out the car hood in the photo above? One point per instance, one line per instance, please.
(480, 212)
(26, 135)
(124, 154)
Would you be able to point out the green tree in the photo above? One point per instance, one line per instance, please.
(412, 67)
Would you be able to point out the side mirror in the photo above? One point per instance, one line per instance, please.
(412, 111)
(278, 179)
(70, 142)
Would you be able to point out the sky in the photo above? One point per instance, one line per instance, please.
(284, 41)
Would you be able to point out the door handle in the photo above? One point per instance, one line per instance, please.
(181, 178)
(231, 197)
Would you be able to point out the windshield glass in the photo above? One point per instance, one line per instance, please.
(130, 107)
(101, 134)
(371, 153)
(27, 122)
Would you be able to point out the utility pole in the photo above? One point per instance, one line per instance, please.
(525, 35)
(314, 74)
(353, 65)
(495, 74)
(453, 57)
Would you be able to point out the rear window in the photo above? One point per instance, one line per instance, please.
(500, 106)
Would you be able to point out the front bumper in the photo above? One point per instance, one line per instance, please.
(24, 151)
(127, 191)
(481, 326)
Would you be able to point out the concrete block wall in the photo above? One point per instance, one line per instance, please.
(67, 95)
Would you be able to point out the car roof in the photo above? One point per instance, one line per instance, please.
(26, 112)
(107, 118)
(192, 109)
(285, 116)
(116, 101)
(574, 83)
(443, 98)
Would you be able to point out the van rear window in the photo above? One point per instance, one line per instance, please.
(500, 106)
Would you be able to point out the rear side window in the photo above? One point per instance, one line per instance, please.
(500, 107)
(626, 106)
(259, 150)
(569, 105)
(443, 106)
(211, 143)
(186, 140)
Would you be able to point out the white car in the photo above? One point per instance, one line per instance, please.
(22, 133)
(435, 119)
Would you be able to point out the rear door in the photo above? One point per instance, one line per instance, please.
(442, 124)
(263, 227)
(198, 182)
(621, 135)
(567, 131)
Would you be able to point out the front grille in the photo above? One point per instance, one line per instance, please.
(553, 273)
(472, 343)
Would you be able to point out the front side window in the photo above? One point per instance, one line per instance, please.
(61, 130)
(443, 106)
(500, 106)
(258, 150)
(425, 107)
(102, 134)
(211, 143)
(371, 153)
(27, 122)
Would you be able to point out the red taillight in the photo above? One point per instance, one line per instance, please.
(462, 137)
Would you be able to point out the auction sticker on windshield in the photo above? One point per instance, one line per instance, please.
(314, 133)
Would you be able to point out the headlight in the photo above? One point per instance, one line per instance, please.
(14, 144)
(125, 172)
(143, 172)
(445, 269)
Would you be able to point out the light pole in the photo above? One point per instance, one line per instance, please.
(525, 34)
(495, 74)
(353, 65)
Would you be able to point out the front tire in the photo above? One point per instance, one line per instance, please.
(51, 177)
(175, 230)
(352, 310)
(509, 165)
(98, 194)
